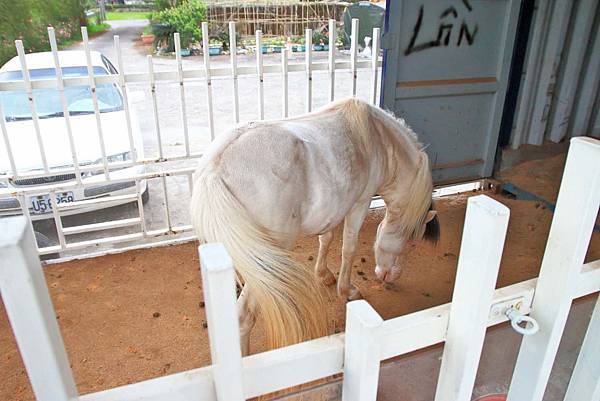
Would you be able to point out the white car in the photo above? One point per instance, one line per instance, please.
(53, 129)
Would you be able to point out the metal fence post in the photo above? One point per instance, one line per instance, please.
(362, 352)
(31, 314)
(483, 237)
(218, 285)
(572, 225)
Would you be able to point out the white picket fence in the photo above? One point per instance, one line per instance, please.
(368, 339)
(162, 170)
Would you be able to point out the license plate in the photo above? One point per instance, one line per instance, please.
(42, 203)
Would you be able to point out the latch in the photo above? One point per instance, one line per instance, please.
(520, 322)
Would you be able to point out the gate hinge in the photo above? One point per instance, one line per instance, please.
(388, 40)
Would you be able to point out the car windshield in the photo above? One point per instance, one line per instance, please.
(47, 100)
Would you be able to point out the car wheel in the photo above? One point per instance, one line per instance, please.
(42, 242)
(146, 196)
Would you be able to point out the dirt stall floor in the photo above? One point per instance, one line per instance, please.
(139, 315)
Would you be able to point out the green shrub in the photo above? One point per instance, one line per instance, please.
(185, 19)
(95, 29)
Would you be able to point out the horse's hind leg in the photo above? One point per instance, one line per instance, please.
(321, 269)
(247, 319)
(352, 224)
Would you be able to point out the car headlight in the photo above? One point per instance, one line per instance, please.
(117, 158)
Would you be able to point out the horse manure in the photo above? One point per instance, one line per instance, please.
(426, 294)
(364, 278)
(156, 314)
(360, 272)
(310, 257)
(389, 286)
(363, 260)
(201, 304)
(204, 325)
(336, 331)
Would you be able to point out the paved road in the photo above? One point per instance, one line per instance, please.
(171, 128)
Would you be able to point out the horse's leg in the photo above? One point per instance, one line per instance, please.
(247, 319)
(352, 224)
(321, 270)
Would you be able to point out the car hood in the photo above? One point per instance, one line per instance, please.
(23, 140)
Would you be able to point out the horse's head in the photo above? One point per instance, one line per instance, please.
(391, 240)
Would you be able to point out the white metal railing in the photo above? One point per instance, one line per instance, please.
(368, 339)
(180, 76)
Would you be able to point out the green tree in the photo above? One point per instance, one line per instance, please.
(28, 21)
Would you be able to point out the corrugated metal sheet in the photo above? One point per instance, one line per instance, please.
(560, 84)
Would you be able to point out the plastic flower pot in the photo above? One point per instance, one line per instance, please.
(492, 397)
(301, 48)
(277, 49)
(326, 47)
(185, 52)
(295, 48)
(148, 39)
(318, 48)
(214, 50)
(264, 49)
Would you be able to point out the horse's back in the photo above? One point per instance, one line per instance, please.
(290, 173)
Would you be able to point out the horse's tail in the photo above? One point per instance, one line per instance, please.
(285, 292)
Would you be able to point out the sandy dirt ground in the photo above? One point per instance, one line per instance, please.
(138, 315)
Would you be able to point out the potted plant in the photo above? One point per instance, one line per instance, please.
(147, 35)
(319, 41)
(277, 45)
(185, 19)
(222, 36)
(299, 44)
(215, 47)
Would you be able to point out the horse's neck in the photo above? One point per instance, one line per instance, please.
(400, 164)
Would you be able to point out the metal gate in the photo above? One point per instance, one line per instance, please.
(446, 72)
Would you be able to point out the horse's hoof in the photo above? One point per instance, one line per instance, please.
(353, 295)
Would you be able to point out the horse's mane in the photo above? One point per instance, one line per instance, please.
(410, 205)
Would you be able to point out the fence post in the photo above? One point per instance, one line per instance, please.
(218, 286)
(206, 55)
(362, 352)
(354, 53)
(31, 314)
(308, 61)
(585, 381)
(574, 218)
(480, 254)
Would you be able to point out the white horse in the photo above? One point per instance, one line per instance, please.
(261, 185)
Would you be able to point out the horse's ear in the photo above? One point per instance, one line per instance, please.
(430, 216)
